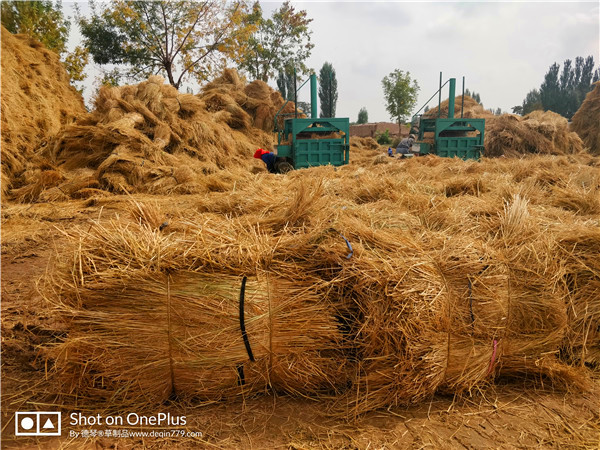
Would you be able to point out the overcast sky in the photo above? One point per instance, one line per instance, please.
(503, 49)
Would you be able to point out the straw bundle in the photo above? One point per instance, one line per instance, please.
(578, 251)
(147, 323)
(586, 121)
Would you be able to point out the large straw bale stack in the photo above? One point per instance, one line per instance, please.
(150, 138)
(540, 132)
(254, 104)
(586, 121)
(37, 100)
(148, 321)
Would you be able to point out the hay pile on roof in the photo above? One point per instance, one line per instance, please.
(146, 138)
(540, 132)
(471, 109)
(586, 121)
(37, 100)
(366, 143)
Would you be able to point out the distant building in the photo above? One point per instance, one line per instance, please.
(370, 129)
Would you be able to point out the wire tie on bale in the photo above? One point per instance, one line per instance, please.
(471, 304)
(493, 360)
(349, 247)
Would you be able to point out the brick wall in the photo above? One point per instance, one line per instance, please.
(369, 129)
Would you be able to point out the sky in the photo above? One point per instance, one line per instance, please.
(503, 49)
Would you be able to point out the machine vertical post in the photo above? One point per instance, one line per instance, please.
(462, 105)
(295, 96)
(440, 98)
(451, 94)
(313, 96)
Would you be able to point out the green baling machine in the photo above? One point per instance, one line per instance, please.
(308, 142)
(450, 136)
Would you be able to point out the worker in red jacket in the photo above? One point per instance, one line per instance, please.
(274, 163)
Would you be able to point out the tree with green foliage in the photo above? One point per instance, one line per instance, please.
(285, 83)
(328, 93)
(474, 95)
(281, 41)
(550, 89)
(563, 91)
(532, 102)
(181, 39)
(400, 93)
(383, 138)
(363, 115)
(46, 22)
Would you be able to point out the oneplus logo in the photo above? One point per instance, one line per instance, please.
(37, 424)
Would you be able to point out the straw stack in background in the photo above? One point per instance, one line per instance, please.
(150, 138)
(586, 121)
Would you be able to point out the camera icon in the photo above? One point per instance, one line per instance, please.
(37, 423)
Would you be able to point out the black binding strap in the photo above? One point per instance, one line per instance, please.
(241, 378)
(242, 322)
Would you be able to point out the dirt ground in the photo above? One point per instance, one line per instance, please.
(510, 414)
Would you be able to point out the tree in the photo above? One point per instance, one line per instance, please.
(474, 95)
(532, 102)
(550, 89)
(564, 90)
(182, 39)
(363, 115)
(383, 138)
(498, 112)
(400, 94)
(517, 109)
(278, 42)
(75, 63)
(328, 93)
(285, 83)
